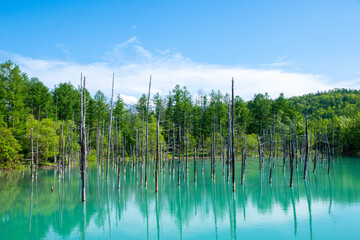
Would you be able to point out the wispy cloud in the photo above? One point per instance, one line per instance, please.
(280, 62)
(62, 48)
(167, 70)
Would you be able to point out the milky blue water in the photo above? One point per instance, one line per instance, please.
(321, 207)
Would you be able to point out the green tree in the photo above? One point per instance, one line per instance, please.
(9, 146)
(12, 84)
(259, 107)
(47, 137)
(101, 106)
(38, 96)
(67, 99)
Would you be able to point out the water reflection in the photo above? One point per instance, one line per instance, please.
(197, 209)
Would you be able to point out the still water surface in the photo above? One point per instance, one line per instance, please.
(321, 207)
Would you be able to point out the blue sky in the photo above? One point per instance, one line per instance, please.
(268, 46)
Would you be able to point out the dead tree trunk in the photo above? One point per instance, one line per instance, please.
(315, 155)
(119, 168)
(271, 170)
(284, 149)
(232, 135)
(63, 141)
(291, 159)
(32, 154)
(296, 145)
(243, 163)
(37, 145)
(306, 147)
(157, 157)
(71, 146)
(179, 154)
(260, 153)
(60, 152)
(98, 144)
(55, 130)
(146, 133)
(187, 153)
(228, 145)
(173, 152)
(109, 135)
(213, 152)
(195, 164)
(83, 141)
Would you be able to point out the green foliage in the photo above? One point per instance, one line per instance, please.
(91, 157)
(47, 137)
(67, 99)
(21, 99)
(339, 102)
(9, 146)
(350, 134)
(101, 107)
(12, 94)
(259, 107)
(38, 97)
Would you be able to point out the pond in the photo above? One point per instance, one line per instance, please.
(321, 207)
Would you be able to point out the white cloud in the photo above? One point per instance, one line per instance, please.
(280, 62)
(348, 84)
(126, 43)
(132, 74)
(62, 48)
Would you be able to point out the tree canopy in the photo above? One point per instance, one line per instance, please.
(22, 99)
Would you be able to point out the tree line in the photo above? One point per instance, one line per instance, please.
(185, 121)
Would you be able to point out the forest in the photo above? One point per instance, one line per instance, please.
(29, 109)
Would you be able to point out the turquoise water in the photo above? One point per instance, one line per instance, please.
(321, 207)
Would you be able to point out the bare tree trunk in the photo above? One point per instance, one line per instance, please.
(232, 135)
(124, 157)
(98, 144)
(146, 133)
(179, 154)
(83, 141)
(102, 147)
(291, 159)
(213, 151)
(137, 147)
(37, 145)
(68, 152)
(328, 155)
(333, 138)
(63, 151)
(243, 165)
(296, 145)
(119, 166)
(142, 156)
(195, 164)
(228, 145)
(157, 157)
(187, 153)
(271, 169)
(71, 146)
(109, 135)
(315, 154)
(284, 149)
(260, 153)
(60, 143)
(173, 152)
(32, 154)
(55, 130)
(306, 147)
